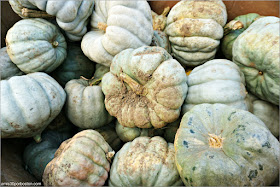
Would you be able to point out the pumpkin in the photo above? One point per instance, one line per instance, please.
(218, 145)
(145, 87)
(28, 104)
(60, 123)
(216, 81)
(85, 104)
(100, 70)
(127, 134)
(233, 29)
(266, 111)
(7, 67)
(71, 16)
(116, 26)
(160, 39)
(83, 160)
(159, 21)
(170, 130)
(75, 65)
(195, 29)
(145, 162)
(35, 45)
(37, 155)
(256, 52)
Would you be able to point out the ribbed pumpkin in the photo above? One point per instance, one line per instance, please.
(71, 16)
(35, 45)
(7, 67)
(267, 112)
(75, 65)
(160, 39)
(83, 160)
(145, 162)
(218, 145)
(85, 104)
(28, 104)
(195, 29)
(116, 26)
(37, 155)
(256, 51)
(145, 87)
(216, 81)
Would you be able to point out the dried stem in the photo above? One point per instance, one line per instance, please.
(29, 13)
(135, 86)
(102, 26)
(110, 155)
(233, 25)
(92, 81)
(215, 141)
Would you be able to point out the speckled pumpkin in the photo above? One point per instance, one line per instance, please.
(256, 51)
(35, 45)
(7, 67)
(195, 28)
(145, 87)
(116, 26)
(28, 104)
(145, 162)
(218, 145)
(83, 160)
(216, 81)
(85, 104)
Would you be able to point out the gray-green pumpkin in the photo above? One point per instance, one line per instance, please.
(75, 65)
(160, 39)
(218, 145)
(28, 104)
(256, 51)
(7, 67)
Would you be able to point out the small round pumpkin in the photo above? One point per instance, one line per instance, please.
(35, 45)
(218, 145)
(145, 162)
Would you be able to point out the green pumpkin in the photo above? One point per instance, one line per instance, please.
(36, 45)
(7, 67)
(75, 65)
(233, 29)
(100, 70)
(256, 51)
(218, 145)
(37, 155)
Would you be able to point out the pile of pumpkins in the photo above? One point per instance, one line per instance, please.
(115, 94)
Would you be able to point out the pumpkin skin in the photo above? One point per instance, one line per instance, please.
(216, 81)
(160, 39)
(85, 105)
(28, 104)
(75, 65)
(145, 162)
(170, 131)
(100, 70)
(266, 111)
(145, 88)
(256, 52)
(60, 123)
(7, 67)
(37, 155)
(82, 160)
(195, 29)
(35, 45)
(126, 24)
(229, 38)
(71, 16)
(218, 145)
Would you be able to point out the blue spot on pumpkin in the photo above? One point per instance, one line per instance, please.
(191, 131)
(190, 121)
(185, 143)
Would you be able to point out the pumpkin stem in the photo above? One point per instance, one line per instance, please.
(165, 11)
(135, 86)
(29, 13)
(102, 26)
(110, 155)
(215, 141)
(37, 138)
(233, 25)
(55, 44)
(92, 81)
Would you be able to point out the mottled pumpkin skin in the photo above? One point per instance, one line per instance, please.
(128, 25)
(195, 29)
(145, 162)
(154, 71)
(37, 155)
(35, 45)
(247, 156)
(228, 39)
(267, 112)
(256, 51)
(160, 39)
(216, 81)
(82, 160)
(75, 65)
(85, 105)
(28, 104)
(7, 67)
